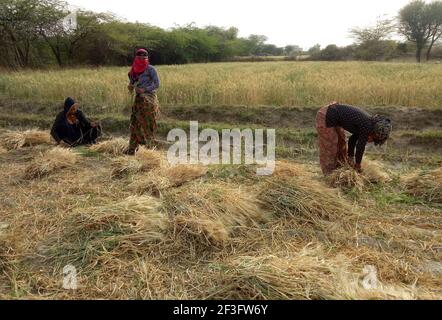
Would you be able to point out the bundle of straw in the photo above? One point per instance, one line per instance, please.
(103, 234)
(115, 147)
(159, 180)
(137, 219)
(304, 199)
(347, 178)
(305, 275)
(123, 166)
(51, 161)
(181, 174)
(425, 184)
(234, 208)
(210, 232)
(149, 158)
(16, 139)
(286, 169)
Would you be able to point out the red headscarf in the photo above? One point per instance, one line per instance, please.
(140, 64)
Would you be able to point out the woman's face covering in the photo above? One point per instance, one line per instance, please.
(73, 109)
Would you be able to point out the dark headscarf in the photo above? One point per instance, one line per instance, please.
(381, 129)
(68, 103)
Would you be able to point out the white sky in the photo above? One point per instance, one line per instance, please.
(304, 23)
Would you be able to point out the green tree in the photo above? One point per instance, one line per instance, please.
(18, 22)
(435, 13)
(415, 23)
(373, 41)
(315, 50)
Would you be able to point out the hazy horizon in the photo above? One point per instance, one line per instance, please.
(303, 23)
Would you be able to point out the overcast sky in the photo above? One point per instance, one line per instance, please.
(304, 23)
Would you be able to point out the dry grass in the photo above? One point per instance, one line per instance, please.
(233, 207)
(347, 178)
(19, 139)
(3, 150)
(115, 147)
(117, 229)
(181, 174)
(304, 200)
(304, 273)
(125, 165)
(283, 237)
(141, 215)
(375, 172)
(53, 160)
(149, 158)
(143, 161)
(209, 232)
(287, 169)
(163, 178)
(425, 184)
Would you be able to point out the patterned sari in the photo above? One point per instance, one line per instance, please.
(143, 121)
(333, 151)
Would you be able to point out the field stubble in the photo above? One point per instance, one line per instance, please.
(216, 232)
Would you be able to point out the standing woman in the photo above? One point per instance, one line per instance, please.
(143, 122)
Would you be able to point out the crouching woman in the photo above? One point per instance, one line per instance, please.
(71, 128)
(331, 123)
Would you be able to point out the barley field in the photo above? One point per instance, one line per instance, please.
(303, 84)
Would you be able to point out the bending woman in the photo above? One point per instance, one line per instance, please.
(331, 123)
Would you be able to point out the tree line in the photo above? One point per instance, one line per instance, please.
(40, 33)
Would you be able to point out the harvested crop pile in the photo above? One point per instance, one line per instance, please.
(347, 178)
(144, 160)
(374, 172)
(156, 181)
(124, 166)
(115, 147)
(140, 217)
(180, 174)
(149, 158)
(18, 139)
(210, 232)
(226, 207)
(55, 159)
(307, 273)
(286, 169)
(425, 184)
(118, 228)
(304, 200)
(303, 276)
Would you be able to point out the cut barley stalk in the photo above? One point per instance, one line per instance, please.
(425, 184)
(50, 161)
(115, 147)
(19, 139)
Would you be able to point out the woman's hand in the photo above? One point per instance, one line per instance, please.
(358, 167)
(64, 144)
(140, 90)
